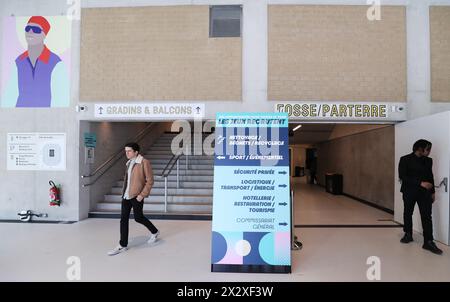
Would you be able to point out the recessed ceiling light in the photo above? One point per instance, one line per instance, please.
(296, 128)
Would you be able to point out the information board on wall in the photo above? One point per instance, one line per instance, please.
(150, 111)
(251, 227)
(340, 111)
(36, 151)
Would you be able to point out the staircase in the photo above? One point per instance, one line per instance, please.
(194, 195)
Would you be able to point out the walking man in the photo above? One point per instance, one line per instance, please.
(137, 184)
(415, 172)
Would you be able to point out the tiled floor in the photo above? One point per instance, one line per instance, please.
(38, 252)
(314, 206)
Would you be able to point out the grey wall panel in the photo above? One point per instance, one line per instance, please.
(366, 161)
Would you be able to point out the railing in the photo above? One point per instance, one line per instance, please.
(175, 159)
(444, 182)
(115, 157)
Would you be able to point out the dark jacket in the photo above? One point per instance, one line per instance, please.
(412, 170)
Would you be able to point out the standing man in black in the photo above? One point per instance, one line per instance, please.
(415, 172)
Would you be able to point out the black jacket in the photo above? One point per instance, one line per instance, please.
(412, 170)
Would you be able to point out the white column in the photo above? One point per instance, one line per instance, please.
(418, 59)
(254, 55)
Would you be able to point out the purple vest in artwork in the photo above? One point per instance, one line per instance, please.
(35, 83)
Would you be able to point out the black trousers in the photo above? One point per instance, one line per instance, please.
(139, 217)
(425, 204)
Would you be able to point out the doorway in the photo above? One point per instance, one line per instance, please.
(436, 129)
(362, 155)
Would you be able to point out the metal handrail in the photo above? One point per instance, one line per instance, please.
(176, 160)
(115, 156)
(101, 174)
(166, 171)
(119, 152)
(444, 182)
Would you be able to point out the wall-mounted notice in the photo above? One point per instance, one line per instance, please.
(351, 111)
(36, 151)
(90, 139)
(251, 228)
(150, 111)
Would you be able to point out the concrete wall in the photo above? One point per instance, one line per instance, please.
(29, 190)
(333, 52)
(157, 53)
(341, 130)
(366, 161)
(255, 51)
(298, 157)
(440, 53)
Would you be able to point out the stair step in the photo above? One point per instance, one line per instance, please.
(168, 141)
(173, 184)
(172, 191)
(194, 195)
(169, 156)
(181, 167)
(159, 161)
(181, 143)
(166, 134)
(183, 179)
(169, 152)
(169, 148)
(203, 199)
(170, 215)
(159, 207)
(179, 139)
(168, 144)
(183, 172)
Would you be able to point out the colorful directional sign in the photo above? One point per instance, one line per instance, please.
(251, 228)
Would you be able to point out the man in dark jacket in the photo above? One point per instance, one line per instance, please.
(416, 174)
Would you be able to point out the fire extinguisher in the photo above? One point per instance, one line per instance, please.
(54, 194)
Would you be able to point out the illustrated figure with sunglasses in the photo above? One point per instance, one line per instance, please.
(40, 78)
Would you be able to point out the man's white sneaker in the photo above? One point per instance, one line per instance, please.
(117, 250)
(153, 238)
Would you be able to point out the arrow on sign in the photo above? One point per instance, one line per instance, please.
(198, 110)
(282, 204)
(100, 110)
(283, 223)
(220, 157)
(282, 172)
(282, 186)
